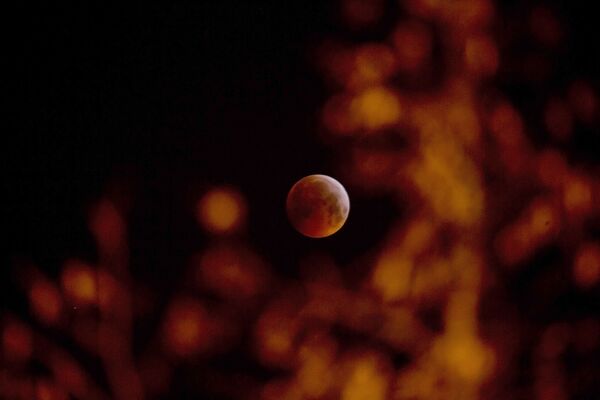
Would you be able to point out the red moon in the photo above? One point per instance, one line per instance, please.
(317, 206)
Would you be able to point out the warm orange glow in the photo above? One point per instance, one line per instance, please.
(186, 328)
(543, 219)
(539, 223)
(481, 56)
(315, 374)
(17, 342)
(586, 270)
(558, 119)
(45, 301)
(413, 43)
(392, 276)
(464, 357)
(276, 331)
(78, 281)
(365, 378)
(448, 179)
(375, 108)
(221, 210)
(577, 196)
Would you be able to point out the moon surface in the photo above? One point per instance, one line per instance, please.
(317, 206)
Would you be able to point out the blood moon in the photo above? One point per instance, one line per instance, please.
(317, 206)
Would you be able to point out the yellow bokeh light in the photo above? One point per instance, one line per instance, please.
(186, 327)
(79, 282)
(464, 356)
(365, 379)
(448, 179)
(578, 196)
(376, 108)
(221, 210)
(392, 276)
(315, 373)
(586, 269)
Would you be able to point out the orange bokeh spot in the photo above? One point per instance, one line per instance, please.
(186, 328)
(392, 276)
(221, 210)
(316, 357)
(481, 55)
(543, 219)
(276, 332)
(78, 281)
(376, 108)
(586, 270)
(577, 196)
(366, 377)
(17, 342)
(45, 301)
(558, 119)
(534, 228)
(464, 356)
(413, 43)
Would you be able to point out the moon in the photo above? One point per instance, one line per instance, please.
(317, 206)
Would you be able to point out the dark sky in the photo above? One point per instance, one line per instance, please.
(170, 99)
